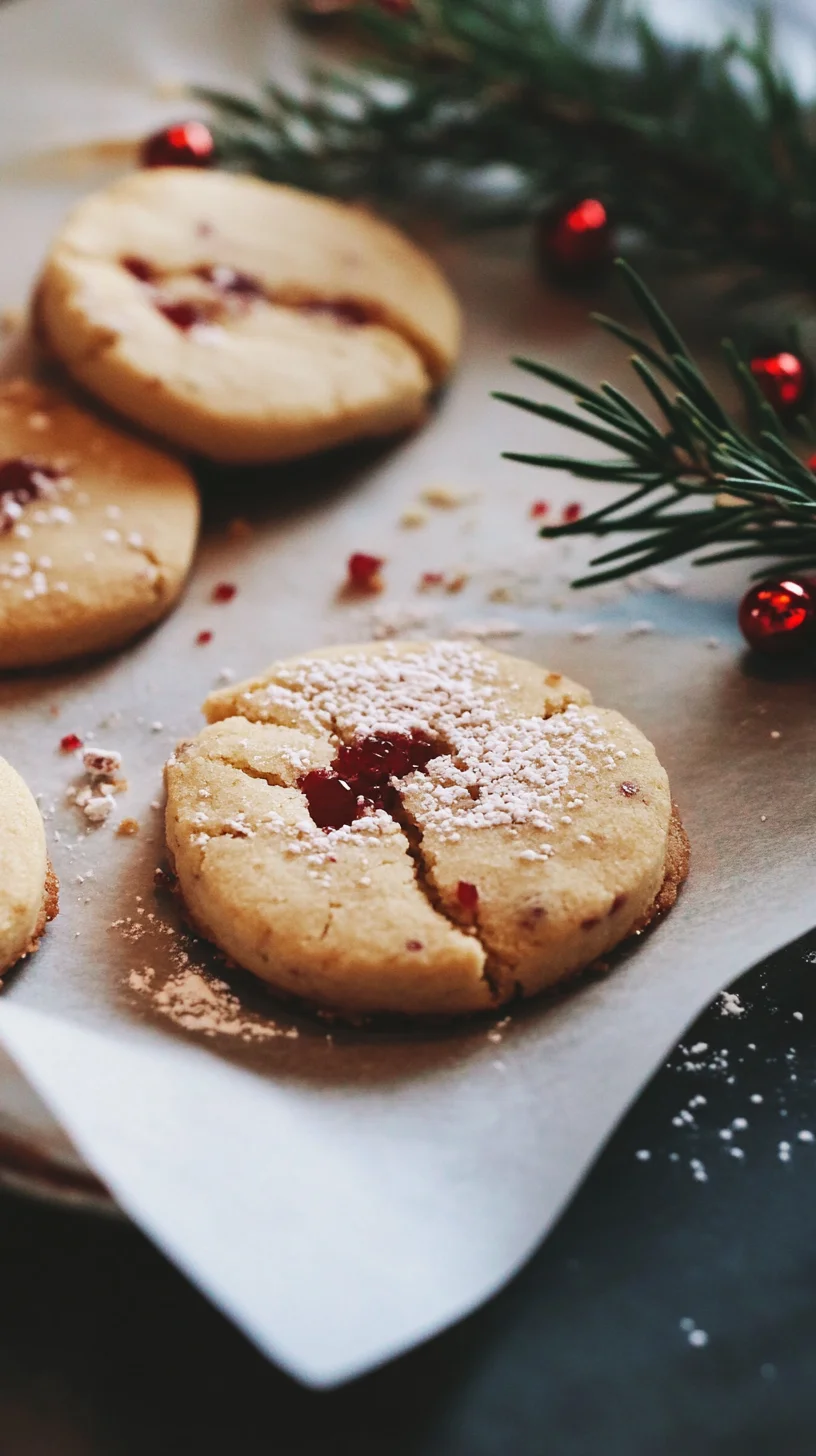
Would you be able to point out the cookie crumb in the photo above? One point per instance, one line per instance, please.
(101, 763)
(442, 498)
(127, 827)
(410, 520)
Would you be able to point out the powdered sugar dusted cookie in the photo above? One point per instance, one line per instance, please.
(97, 530)
(242, 320)
(28, 885)
(420, 828)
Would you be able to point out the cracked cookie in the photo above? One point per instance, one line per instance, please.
(28, 886)
(97, 530)
(243, 320)
(420, 828)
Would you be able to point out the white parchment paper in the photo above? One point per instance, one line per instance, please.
(342, 1195)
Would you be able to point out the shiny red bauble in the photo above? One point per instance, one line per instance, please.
(779, 617)
(186, 144)
(576, 243)
(784, 379)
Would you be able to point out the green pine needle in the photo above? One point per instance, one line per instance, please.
(698, 452)
(706, 152)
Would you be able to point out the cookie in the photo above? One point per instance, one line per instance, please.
(424, 829)
(242, 320)
(28, 886)
(97, 530)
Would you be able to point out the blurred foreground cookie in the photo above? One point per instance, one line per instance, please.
(420, 828)
(28, 886)
(97, 530)
(242, 320)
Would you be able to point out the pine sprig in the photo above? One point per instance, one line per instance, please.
(707, 152)
(697, 481)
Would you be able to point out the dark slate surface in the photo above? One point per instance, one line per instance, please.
(105, 1349)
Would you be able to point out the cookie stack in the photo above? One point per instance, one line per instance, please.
(219, 317)
(423, 829)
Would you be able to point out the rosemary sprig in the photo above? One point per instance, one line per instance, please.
(698, 481)
(706, 151)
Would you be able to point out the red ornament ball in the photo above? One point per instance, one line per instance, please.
(187, 144)
(784, 379)
(576, 243)
(779, 617)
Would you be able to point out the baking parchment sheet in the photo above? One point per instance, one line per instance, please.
(344, 1194)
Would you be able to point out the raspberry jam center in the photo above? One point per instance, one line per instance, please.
(229, 281)
(185, 315)
(21, 481)
(361, 774)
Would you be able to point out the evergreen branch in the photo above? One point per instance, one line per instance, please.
(707, 151)
(762, 496)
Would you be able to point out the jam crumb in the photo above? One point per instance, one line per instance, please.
(538, 509)
(224, 591)
(413, 945)
(430, 579)
(572, 512)
(70, 743)
(364, 572)
(467, 895)
(203, 638)
(628, 789)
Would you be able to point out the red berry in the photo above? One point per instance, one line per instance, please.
(467, 895)
(364, 571)
(70, 743)
(224, 592)
(187, 144)
(539, 508)
(783, 379)
(571, 513)
(203, 638)
(578, 243)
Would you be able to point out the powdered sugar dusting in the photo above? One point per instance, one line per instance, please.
(495, 772)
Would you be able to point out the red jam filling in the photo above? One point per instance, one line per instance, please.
(21, 481)
(345, 311)
(467, 895)
(140, 268)
(229, 281)
(185, 315)
(360, 777)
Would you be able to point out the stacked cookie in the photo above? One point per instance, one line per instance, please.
(425, 829)
(228, 318)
